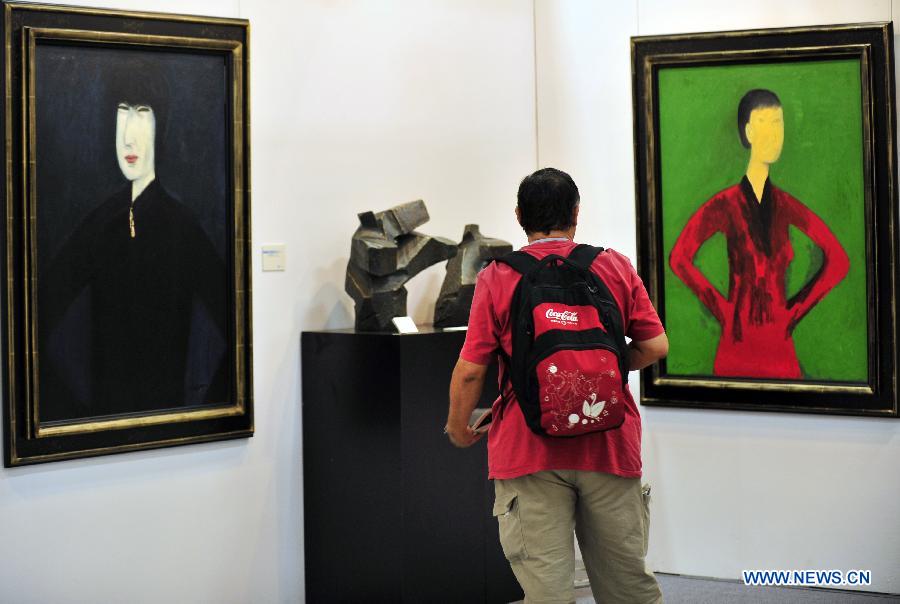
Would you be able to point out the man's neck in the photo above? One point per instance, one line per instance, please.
(567, 234)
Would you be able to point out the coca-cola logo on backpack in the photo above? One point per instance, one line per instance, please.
(566, 317)
(561, 316)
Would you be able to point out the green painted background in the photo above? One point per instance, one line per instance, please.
(821, 165)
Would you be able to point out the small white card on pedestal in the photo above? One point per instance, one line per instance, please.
(405, 325)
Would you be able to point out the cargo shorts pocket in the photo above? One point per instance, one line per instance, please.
(512, 537)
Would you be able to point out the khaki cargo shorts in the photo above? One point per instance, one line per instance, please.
(539, 515)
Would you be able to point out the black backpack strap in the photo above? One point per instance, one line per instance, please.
(521, 262)
(584, 255)
(504, 367)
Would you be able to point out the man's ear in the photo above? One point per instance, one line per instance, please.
(748, 132)
(518, 216)
(575, 215)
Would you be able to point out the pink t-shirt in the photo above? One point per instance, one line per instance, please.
(513, 449)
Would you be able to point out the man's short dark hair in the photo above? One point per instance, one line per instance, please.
(755, 99)
(547, 201)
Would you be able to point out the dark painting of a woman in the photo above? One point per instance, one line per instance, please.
(756, 314)
(132, 307)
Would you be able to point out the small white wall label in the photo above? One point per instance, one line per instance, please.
(274, 257)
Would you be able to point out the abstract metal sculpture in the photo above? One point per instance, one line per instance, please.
(385, 253)
(474, 252)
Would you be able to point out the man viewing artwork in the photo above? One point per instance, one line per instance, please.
(587, 483)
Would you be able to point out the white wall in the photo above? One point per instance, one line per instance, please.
(732, 490)
(355, 106)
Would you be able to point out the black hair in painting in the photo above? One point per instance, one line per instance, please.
(755, 99)
(137, 81)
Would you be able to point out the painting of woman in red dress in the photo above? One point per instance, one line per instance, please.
(756, 315)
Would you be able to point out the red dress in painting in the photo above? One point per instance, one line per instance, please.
(757, 318)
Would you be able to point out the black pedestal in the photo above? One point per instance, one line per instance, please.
(392, 511)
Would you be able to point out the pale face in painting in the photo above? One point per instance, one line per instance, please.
(135, 138)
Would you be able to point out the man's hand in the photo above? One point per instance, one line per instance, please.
(465, 437)
(465, 390)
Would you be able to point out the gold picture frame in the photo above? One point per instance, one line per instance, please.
(80, 429)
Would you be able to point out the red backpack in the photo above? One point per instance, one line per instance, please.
(569, 363)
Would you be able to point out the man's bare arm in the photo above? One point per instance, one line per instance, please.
(642, 353)
(465, 391)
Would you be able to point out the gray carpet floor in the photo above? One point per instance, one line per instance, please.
(694, 590)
